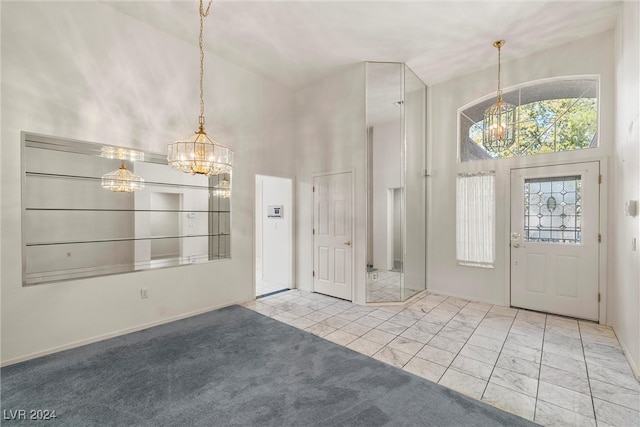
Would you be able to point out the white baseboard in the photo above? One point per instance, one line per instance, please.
(632, 364)
(116, 334)
(466, 297)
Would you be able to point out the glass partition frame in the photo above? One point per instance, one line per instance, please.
(395, 147)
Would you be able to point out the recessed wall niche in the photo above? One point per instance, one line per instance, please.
(73, 228)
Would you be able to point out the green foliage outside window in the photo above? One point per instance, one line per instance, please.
(550, 126)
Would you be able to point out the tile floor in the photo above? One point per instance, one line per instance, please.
(386, 286)
(383, 286)
(553, 370)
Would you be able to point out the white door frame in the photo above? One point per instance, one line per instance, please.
(602, 248)
(293, 229)
(390, 228)
(354, 242)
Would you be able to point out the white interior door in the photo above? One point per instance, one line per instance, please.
(554, 239)
(332, 235)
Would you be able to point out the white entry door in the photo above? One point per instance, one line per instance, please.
(554, 239)
(332, 235)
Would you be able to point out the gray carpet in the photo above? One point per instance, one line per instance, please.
(231, 367)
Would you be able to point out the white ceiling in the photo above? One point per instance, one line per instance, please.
(299, 42)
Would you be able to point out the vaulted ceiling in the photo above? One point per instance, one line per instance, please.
(299, 42)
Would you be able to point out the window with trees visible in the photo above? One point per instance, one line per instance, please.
(551, 116)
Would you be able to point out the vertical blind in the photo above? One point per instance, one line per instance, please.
(475, 219)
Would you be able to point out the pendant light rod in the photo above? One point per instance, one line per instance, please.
(498, 45)
(203, 14)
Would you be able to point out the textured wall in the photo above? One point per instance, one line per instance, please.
(592, 55)
(331, 137)
(85, 71)
(624, 298)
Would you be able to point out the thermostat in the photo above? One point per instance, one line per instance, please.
(631, 208)
(274, 211)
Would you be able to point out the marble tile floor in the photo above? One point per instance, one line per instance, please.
(553, 370)
(383, 286)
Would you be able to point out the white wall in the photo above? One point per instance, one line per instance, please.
(397, 226)
(84, 71)
(277, 233)
(592, 55)
(331, 137)
(258, 227)
(624, 295)
(415, 234)
(387, 150)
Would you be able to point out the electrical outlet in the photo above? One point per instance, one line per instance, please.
(144, 293)
(374, 276)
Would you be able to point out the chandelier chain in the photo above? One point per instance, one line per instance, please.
(499, 69)
(203, 14)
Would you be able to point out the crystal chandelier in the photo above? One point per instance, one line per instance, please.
(499, 122)
(200, 154)
(121, 153)
(122, 181)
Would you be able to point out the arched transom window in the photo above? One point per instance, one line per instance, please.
(552, 116)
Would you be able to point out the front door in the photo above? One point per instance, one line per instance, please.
(332, 235)
(554, 239)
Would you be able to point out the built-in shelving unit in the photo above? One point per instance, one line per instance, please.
(73, 228)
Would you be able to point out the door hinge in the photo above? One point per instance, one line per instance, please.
(314, 273)
(314, 188)
(314, 231)
(599, 238)
(600, 179)
(598, 296)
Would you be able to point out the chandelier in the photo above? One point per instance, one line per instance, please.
(121, 153)
(499, 121)
(122, 181)
(200, 154)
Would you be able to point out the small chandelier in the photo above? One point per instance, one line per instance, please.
(200, 154)
(121, 153)
(499, 122)
(223, 189)
(122, 181)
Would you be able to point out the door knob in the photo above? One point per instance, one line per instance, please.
(348, 243)
(516, 245)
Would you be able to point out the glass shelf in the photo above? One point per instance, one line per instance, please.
(99, 178)
(132, 239)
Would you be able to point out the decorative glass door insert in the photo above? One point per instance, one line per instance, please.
(552, 209)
